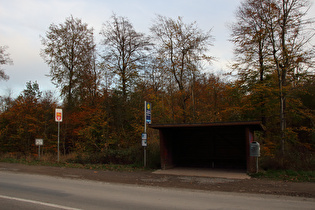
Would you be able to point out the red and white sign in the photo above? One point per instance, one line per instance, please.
(58, 115)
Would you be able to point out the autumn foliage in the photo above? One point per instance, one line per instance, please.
(103, 102)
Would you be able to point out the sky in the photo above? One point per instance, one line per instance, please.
(22, 22)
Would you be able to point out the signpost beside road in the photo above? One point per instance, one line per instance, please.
(147, 120)
(39, 142)
(58, 115)
(58, 118)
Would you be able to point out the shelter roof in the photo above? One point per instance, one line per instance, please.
(256, 125)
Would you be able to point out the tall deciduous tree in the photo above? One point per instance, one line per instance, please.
(125, 51)
(181, 51)
(69, 50)
(251, 50)
(4, 60)
(286, 33)
(273, 34)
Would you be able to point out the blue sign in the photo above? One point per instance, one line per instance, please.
(148, 113)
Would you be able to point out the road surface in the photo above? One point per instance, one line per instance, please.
(25, 191)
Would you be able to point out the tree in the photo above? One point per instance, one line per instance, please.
(285, 27)
(251, 50)
(125, 51)
(124, 54)
(69, 50)
(28, 117)
(88, 89)
(4, 60)
(32, 91)
(181, 51)
(6, 101)
(274, 33)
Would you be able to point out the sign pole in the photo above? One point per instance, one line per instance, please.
(39, 142)
(147, 120)
(39, 152)
(145, 131)
(256, 164)
(58, 138)
(58, 119)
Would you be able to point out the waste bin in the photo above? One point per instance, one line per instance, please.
(254, 149)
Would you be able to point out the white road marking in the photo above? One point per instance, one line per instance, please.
(38, 202)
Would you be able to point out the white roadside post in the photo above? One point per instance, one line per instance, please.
(58, 118)
(39, 142)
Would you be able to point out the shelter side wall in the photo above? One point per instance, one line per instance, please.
(166, 150)
(251, 161)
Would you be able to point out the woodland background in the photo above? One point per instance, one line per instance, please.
(103, 86)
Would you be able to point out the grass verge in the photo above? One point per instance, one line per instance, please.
(287, 175)
(110, 167)
(284, 175)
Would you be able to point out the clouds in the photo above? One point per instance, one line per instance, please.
(23, 21)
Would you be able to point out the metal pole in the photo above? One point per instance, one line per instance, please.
(145, 131)
(39, 152)
(145, 157)
(58, 138)
(145, 120)
(256, 164)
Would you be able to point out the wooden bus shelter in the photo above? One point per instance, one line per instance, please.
(211, 145)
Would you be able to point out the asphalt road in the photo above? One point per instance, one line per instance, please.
(25, 191)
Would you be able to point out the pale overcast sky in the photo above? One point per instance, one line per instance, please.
(23, 21)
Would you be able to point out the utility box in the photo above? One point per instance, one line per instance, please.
(254, 149)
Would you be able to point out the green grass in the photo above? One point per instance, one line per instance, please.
(287, 175)
(110, 167)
